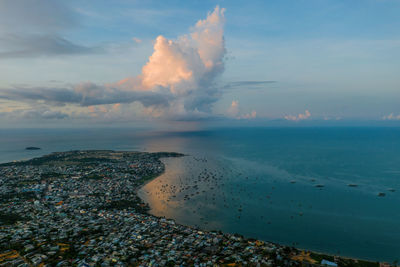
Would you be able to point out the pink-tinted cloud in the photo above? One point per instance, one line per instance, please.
(233, 110)
(186, 67)
(168, 66)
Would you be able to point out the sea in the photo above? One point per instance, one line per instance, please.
(334, 190)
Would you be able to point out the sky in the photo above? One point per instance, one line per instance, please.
(127, 62)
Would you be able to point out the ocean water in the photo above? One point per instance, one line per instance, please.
(314, 188)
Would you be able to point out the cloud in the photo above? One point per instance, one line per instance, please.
(234, 108)
(186, 68)
(49, 114)
(103, 110)
(35, 28)
(247, 84)
(391, 117)
(34, 114)
(13, 46)
(137, 40)
(299, 117)
(251, 115)
(84, 94)
(177, 82)
(234, 112)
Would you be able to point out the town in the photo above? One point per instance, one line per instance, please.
(80, 208)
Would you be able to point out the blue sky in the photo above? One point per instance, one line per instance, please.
(295, 61)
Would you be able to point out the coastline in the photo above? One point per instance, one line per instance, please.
(147, 181)
(319, 253)
(275, 251)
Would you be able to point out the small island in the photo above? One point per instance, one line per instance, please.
(32, 148)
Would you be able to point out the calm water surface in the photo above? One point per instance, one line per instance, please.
(315, 188)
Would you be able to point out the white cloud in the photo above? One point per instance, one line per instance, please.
(137, 40)
(298, 117)
(391, 117)
(234, 112)
(251, 115)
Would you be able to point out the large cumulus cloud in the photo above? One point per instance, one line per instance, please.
(186, 68)
(177, 81)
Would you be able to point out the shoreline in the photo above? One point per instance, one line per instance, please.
(148, 167)
(321, 253)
